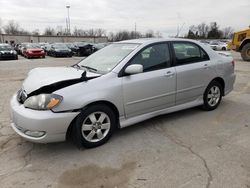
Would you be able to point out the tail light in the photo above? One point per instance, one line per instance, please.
(233, 63)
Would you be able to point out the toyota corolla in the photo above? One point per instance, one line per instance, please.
(122, 84)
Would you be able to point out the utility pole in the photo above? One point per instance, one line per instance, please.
(68, 6)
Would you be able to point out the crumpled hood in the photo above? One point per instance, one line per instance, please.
(40, 77)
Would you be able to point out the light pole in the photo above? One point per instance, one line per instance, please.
(68, 6)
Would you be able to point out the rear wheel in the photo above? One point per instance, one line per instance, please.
(212, 96)
(94, 126)
(245, 52)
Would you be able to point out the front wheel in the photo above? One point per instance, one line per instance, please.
(94, 126)
(212, 96)
(245, 52)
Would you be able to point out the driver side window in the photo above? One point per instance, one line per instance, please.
(153, 57)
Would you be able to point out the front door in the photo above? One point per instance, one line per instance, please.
(155, 88)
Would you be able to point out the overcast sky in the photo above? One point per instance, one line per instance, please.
(114, 15)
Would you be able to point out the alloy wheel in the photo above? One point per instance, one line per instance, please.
(96, 126)
(213, 96)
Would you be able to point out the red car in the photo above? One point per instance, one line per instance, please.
(33, 50)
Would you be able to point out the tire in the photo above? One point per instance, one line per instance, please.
(212, 96)
(88, 136)
(245, 52)
(223, 49)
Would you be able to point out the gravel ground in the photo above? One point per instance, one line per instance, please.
(190, 148)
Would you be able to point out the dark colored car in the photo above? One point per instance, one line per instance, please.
(32, 50)
(85, 49)
(47, 48)
(7, 52)
(59, 50)
(98, 46)
(73, 48)
(17, 48)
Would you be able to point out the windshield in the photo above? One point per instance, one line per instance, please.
(5, 47)
(32, 46)
(107, 58)
(60, 46)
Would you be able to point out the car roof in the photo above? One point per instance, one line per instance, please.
(153, 40)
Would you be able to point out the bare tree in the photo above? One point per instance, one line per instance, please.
(12, 27)
(49, 31)
(158, 34)
(35, 32)
(111, 37)
(149, 34)
(203, 29)
(79, 32)
(99, 32)
(228, 32)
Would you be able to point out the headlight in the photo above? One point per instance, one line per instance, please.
(43, 101)
(13, 52)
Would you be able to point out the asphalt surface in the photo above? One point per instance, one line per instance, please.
(190, 148)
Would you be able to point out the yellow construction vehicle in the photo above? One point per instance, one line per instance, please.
(241, 43)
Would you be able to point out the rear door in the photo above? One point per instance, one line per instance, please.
(194, 71)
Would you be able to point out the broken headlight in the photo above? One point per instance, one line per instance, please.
(43, 101)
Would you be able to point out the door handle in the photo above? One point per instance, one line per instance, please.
(205, 66)
(169, 74)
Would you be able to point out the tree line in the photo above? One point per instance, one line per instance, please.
(211, 31)
(12, 27)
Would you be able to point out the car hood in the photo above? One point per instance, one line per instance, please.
(44, 77)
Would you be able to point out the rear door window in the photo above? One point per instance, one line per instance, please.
(187, 52)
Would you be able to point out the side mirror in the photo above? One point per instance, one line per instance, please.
(134, 69)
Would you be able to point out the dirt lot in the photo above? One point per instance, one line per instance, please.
(191, 148)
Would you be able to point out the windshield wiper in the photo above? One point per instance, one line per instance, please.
(89, 68)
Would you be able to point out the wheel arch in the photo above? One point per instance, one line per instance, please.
(103, 102)
(222, 82)
(246, 41)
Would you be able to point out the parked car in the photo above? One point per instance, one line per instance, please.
(43, 44)
(84, 48)
(7, 52)
(31, 50)
(59, 50)
(47, 48)
(22, 47)
(98, 46)
(216, 45)
(73, 48)
(17, 48)
(119, 85)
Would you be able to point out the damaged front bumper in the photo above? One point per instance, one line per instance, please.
(39, 126)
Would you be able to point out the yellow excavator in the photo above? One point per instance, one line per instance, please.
(241, 43)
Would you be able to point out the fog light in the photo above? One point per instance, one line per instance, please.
(35, 133)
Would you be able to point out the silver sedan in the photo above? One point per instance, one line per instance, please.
(120, 85)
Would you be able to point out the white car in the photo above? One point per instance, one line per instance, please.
(218, 46)
(120, 85)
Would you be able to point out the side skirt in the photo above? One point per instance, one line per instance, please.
(127, 122)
